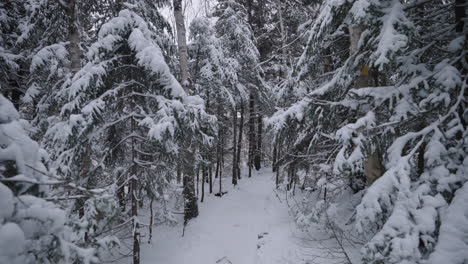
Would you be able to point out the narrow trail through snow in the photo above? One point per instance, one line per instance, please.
(249, 225)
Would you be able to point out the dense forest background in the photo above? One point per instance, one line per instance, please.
(108, 109)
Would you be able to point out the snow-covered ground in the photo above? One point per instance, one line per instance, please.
(248, 225)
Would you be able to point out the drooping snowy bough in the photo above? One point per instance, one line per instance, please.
(32, 229)
(383, 135)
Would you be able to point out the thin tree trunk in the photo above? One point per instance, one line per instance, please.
(211, 177)
(221, 168)
(218, 147)
(134, 200)
(251, 131)
(217, 165)
(73, 37)
(275, 154)
(239, 142)
(197, 182)
(151, 221)
(277, 177)
(460, 19)
(136, 232)
(221, 164)
(121, 192)
(203, 183)
(234, 146)
(258, 145)
(284, 54)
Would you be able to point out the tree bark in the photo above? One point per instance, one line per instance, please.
(277, 182)
(181, 42)
(251, 131)
(151, 221)
(460, 13)
(363, 79)
(134, 200)
(217, 164)
(210, 174)
(179, 174)
(239, 142)
(191, 207)
(203, 184)
(372, 165)
(275, 154)
(73, 37)
(283, 71)
(258, 145)
(197, 182)
(234, 146)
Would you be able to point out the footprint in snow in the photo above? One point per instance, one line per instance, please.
(261, 239)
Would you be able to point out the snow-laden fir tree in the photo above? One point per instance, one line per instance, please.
(122, 122)
(214, 79)
(383, 120)
(33, 228)
(239, 44)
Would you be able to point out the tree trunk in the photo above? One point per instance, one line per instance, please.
(277, 177)
(283, 71)
(73, 37)
(460, 18)
(460, 13)
(372, 165)
(181, 42)
(239, 142)
(258, 145)
(219, 142)
(134, 200)
(191, 207)
(197, 182)
(151, 221)
(179, 174)
(121, 192)
(275, 154)
(251, 131)
(363, 79)
(221, 168)
(217, 164)
(136, 232)
(234, 146)
(203, 184)
(210, 174)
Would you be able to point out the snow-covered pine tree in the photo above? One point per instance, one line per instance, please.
(236, 35)
(33, 228)
(387, 111)
(128, 115)
(9, 58)
(214, 76)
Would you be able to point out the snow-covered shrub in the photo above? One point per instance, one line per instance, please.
(32, 229)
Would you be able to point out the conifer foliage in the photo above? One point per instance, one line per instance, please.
(384, 119)
(112, 119)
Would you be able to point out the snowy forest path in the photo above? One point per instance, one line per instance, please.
(248, 225)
